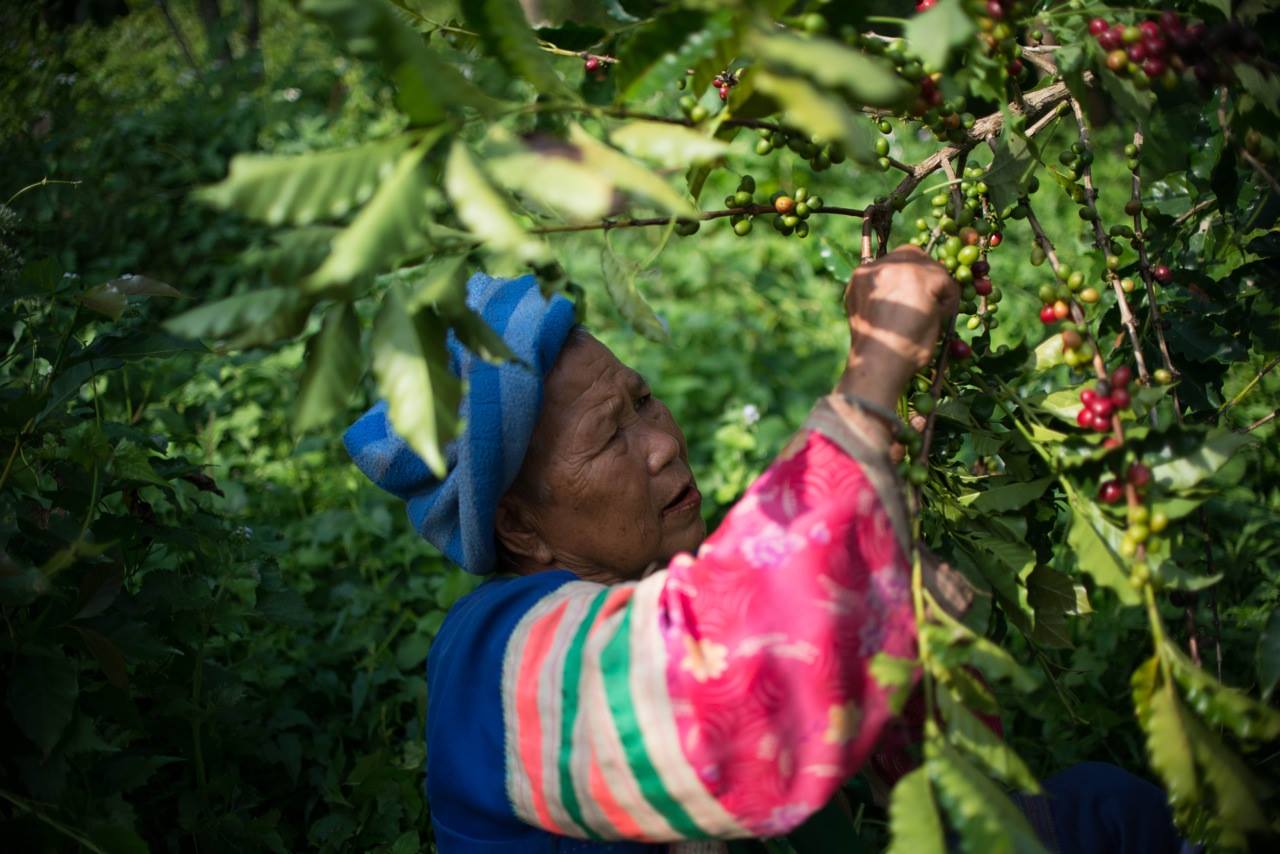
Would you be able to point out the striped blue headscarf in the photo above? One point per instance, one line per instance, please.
(499, 409)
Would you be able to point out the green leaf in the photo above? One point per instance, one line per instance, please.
(670, 145)
(868, 80)
(484, 212)
(1014, 160)
(43, 687)
(820, 114)
(934, 33)
(983, 816)
(411, 364)
(507, 36)
(1003, 498)
(249, 320)
(1063, 404)
(334, 365)
(629, 175)
(394, 225)
(620, 283)
(971, 735)
(105, 299)
(1265, 88)
(1186, 471)
(1053, 597)
(1164, 720)
(132, 463)
(914, 823)
(1096, 544)
(662, 50)
(561, 185)
(478, 336)
(1220, 704)
(1048, 353)
(894, 675)
(322, 185)
(428, 87)
(1267, 656)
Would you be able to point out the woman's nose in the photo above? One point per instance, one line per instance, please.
(662, 449)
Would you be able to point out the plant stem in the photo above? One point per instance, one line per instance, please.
(610, 224)
(1266, 369)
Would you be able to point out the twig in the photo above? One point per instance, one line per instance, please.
(610, 224)
(43, 182)
(1100, 240)
(1148, 279)
(1194, 209)
(1266, 419)
(1266, 369)
(180, 38)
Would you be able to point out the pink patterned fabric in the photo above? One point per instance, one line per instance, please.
(769, 632)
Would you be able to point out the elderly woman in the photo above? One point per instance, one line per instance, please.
(622, 676)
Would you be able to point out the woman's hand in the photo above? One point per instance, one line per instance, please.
(896, 306)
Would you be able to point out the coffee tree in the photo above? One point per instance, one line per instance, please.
(1070, 463)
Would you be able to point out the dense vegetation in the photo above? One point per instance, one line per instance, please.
(214, 629)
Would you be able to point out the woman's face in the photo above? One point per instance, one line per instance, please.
(605, 489)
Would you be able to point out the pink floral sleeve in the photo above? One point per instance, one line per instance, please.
(727, 695)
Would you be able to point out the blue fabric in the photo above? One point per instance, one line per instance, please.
(466, 757)
(499, 410)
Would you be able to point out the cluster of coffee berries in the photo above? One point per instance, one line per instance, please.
(724, 81)
(820, 156)
(996, 34)
(1161, 50)
(1106, 398)
(793, 210)
(694, 111)
(1056, 299)
(741, 199)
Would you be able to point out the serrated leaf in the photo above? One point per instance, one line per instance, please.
(1220, 704)
(334, 365)
(298, 190)
(1236, 789)
(934, 33)
(620, 283)
(394, 225)
(868, 80)
(982, 815)
(670, 145)
(820, 114)
(411, 364)
(1096, 545)
(507, 36)
(247, 320)
(1003, 498)
(1186, 471)
(971, 735)
(485, 212)
(914, 823)
(427, 86)
(562, 186)
(1164, 720)
(629, 175)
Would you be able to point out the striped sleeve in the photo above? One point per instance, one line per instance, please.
(728, 694)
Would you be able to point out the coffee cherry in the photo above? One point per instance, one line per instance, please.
(592, 63)
(1084, 418)
(1098, 26)
(1112, 39)
(742, 227)
(1138, 514)
(1170, 22)
(918, 474)
(686, 227)
(959, 349)
(1047, 315)
(698, 113)
(1138, 475)
(982, 286)
(1090, 295)
(1100, 423)
(1110, 492)
(1159, 521)
(1101, 406)
(1120, 398)
(784, 204)
(1117, 60)
(924, 403)
(1121, 376)
(1131, 34)
(1162, 274)
(967, 255)
(1138, 533)
(1162, 376)
(996, 239)
(1127, 285)
(1061, 310)
(980, 268)
(802, 229)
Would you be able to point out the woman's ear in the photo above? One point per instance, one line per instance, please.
(518, 535)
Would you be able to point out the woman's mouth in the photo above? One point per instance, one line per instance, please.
(687, 500)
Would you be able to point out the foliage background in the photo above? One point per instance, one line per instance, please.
(243, 669)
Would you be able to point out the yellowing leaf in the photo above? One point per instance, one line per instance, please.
(559, 184)
(485, 212)
(668, 144)
(914, 823)
(629, 175)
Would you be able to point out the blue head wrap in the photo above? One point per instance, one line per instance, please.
(499, 409)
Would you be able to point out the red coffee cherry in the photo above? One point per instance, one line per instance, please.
(1138, 475)
(1110, 492)
(1163, 274)
(1098, 26)
(1121, 376)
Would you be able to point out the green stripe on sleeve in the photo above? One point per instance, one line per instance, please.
(572, 678)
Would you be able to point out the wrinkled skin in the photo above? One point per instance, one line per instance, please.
(607, 459)
(604, 489)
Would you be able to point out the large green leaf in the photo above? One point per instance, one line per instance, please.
(895, 675)
(867, 80)
(411, 364)
(976, 739)
(302, 189)
(1164, 720)
(914, 823)
(334, 364)
(661, 51)
(250, 319)
(393, 226)
(428, 87)
(561, 185)
(1053, 597)
(1096, 544)
(485, 212)
(821, 114)
(1003, 498)
(979, 812)
(42, 696)
(506, 35)
(620, 282)
(934, 33)
(1236, 788)
(629, 175)
(668, 144)
(1186, 471)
